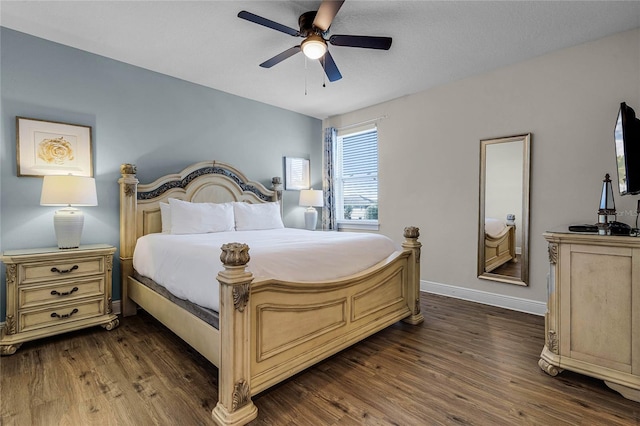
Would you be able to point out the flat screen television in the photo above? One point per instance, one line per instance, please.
(627, 138)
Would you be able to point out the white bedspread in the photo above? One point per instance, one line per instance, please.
(494, 227)
(187, 265)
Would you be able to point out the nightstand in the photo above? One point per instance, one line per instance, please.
(52, 291)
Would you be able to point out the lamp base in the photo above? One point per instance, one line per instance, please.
(68, 223)
(310, 218)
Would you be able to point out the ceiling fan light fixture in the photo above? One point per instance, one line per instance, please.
(314, 46)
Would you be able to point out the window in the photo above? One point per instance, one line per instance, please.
(356, 179)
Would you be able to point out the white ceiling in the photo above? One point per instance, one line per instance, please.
(434, 42)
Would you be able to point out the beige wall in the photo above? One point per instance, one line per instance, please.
(429, 153)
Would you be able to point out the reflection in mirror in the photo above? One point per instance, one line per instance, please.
(503, 234)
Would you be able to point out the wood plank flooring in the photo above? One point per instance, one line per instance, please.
(510, 269)
(467, 364)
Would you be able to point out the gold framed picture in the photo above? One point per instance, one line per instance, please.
(53, 148)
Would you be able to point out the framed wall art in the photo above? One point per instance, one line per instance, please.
(52, 148)
(296, 174)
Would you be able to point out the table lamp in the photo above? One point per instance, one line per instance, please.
(69, 191)
(311, 199)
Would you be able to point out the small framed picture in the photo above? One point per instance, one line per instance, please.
(52, 148)
(296, 174)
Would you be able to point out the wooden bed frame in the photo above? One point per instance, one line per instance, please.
(501, 249)
(269, 329)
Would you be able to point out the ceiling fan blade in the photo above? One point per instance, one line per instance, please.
(267, 23)
(330, 67)
(366, 42)
(326, 12)
(280, 57)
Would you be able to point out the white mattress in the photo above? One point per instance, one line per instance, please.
(187, 265)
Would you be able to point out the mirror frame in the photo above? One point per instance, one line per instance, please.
(524, 256)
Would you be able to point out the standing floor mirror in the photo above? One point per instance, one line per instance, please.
(503, 228)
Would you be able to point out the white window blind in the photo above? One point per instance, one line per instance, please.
(357, 177)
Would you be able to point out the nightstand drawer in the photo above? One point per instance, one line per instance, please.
(59, 292)
(58, 315)
(60, 270)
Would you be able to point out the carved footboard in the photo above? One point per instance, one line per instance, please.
(271, 329)
(501, 249)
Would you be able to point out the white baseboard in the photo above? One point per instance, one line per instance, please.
(493, 299)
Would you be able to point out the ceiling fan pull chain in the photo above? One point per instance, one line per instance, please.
(305, 75)
(324, 67)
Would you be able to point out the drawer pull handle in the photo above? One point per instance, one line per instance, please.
(64, 293)
(64, 271)
(54, 315)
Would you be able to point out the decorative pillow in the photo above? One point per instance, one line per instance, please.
(257, 216)
(165, 214)
(200, 218)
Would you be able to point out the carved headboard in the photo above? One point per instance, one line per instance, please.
(207, 181)
(212, 182)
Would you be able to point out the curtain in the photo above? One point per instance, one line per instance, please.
(328, 157)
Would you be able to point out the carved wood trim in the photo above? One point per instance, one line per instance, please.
(10, 324)
(128, 169)
(129, 189)
(217, 169)
(125, 170)
(9, 349)
(553, 253)
(550, 369)
(412, 232)
(240, 296)
(552, 342)
(241, 395)
(11, 274)
(234, 254)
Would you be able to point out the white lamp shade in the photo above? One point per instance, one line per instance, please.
(314, 47)
(68, 190)
(311, 198)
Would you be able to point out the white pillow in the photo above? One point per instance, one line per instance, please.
(257, 216)
(200, 218)
(165, 214)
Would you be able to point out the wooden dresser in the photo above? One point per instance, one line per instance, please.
(52, 291)
(592, 324)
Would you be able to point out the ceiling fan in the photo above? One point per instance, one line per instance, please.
(314, 26)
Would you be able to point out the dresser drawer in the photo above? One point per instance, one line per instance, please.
(59, 270)
(60, 314)
(62, 291)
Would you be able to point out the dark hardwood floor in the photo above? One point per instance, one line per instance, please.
(510, 269)
(467, 364)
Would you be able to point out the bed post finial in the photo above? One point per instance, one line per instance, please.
(128, 207)
(276, 185)
(234, 254)
(234, 405)
(411, 234)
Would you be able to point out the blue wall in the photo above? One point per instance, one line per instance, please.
(157, 122)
